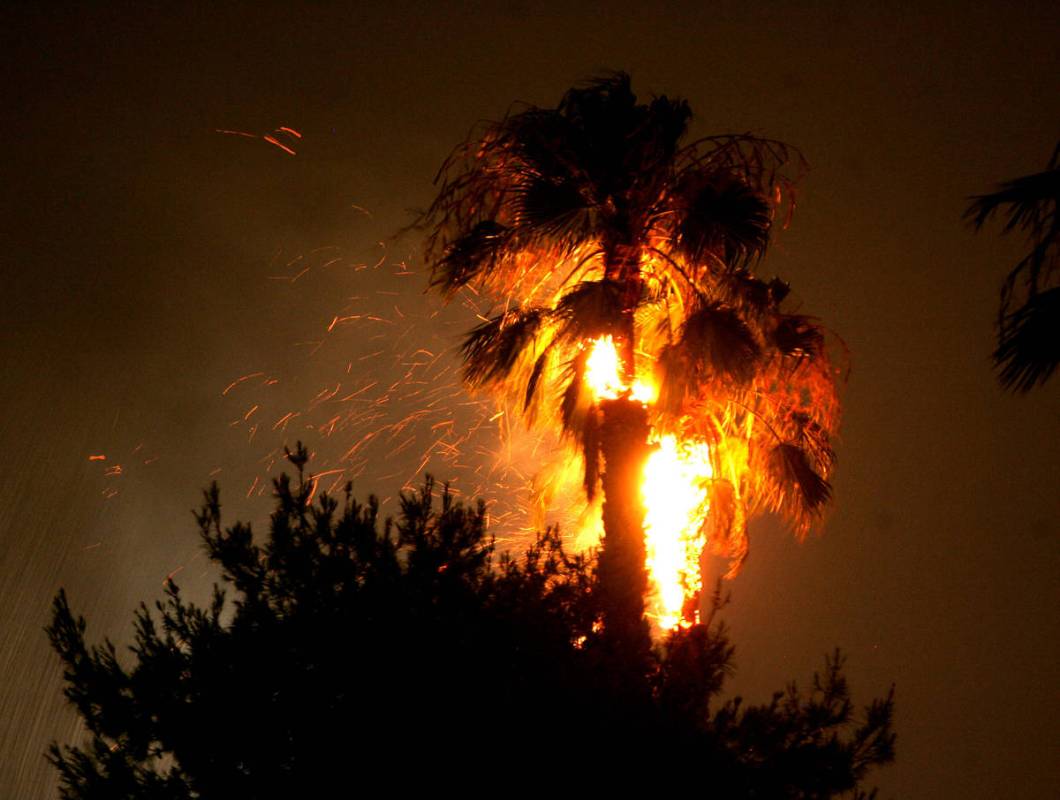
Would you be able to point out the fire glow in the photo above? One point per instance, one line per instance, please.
(674, 492)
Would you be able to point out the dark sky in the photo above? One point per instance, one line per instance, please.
(142, 253)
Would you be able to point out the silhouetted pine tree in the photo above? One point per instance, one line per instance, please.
(408, 652)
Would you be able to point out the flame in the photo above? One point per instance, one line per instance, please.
(644, 392)
(674, 492)
(603, 374)
(603, 370)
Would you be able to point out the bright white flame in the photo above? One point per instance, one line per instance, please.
(675, 499)
(643, 392)
(603, 370)
(603, 374)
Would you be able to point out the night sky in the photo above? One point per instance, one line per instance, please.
(150, 259)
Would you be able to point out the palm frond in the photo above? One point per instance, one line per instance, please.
(778, 290)
(471, 253)
(669, 123)
(570, 143)
(1033, 206)
(814, 440)
(581, 420)
(492, 349)
(623, 146)
(723, 217)
(1032, 203)
(1028, 350)
(598, 139)
(744, 291)
(1026, 355)
(764, 163)
(802, 492)
(714, 344)
(577, 399)
(1027, 199)
(797, 336)
(599, 100)
(539, 142)
(591, 309)
(534, 380)
(675, 379)
(590, 438)
(555, 210)
(651, 143)
(721, 522)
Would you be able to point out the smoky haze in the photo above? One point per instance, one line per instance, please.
(150, 260)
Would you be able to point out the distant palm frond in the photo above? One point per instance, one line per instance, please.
(1026, 197)
(1028, 350)
(1032, 203)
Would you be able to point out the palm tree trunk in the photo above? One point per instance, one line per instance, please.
(623, 574)
(624, 446)
(622, 264)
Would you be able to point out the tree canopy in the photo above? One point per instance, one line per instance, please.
(601, 223)
(408, 650)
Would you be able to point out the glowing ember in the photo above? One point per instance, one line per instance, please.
(675, 500)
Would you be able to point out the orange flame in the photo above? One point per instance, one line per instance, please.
(603, 374)
(674, 492)
(603, 370)
(675, 500)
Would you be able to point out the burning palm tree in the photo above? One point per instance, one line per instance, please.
(621, 256)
